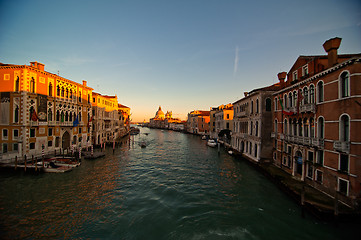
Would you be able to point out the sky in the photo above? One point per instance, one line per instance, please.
(180, 55)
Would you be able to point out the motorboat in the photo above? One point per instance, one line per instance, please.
(211, 143)
(51, 167)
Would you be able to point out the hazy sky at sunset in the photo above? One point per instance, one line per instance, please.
(182, 55)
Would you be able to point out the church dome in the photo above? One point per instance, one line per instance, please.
(159, 114)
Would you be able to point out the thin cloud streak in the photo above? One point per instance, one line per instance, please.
(236, 59)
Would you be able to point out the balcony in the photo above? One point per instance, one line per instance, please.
(311, 107)
(318, 142)
(34, 123)
(341, 146)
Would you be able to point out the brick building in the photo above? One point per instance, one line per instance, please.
(316, 122)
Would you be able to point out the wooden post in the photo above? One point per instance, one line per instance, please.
(303, 201)
(16, 162)
(32, 159)
(336, 208)
(36, 164)
(25, 164)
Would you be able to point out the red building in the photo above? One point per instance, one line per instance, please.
(316, 122)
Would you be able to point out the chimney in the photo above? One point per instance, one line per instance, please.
(37, 65)
(84, 83)
(282, 76)
(245, 94)
(331, 47)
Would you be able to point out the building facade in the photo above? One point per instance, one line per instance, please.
(198, 122)
(41, 111)
(108, 121)
(252, 126)
(317, 114)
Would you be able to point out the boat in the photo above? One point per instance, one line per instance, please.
(211, 143)
(134, 131)
(230, 152)
(63, 161)
(204, 137)
(51, 167)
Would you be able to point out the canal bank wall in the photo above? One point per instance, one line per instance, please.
(315, 202)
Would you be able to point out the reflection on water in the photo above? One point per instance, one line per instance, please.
(175, 188)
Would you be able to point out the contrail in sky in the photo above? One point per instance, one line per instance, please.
(236, 58)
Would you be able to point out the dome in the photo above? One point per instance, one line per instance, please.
(159, 114)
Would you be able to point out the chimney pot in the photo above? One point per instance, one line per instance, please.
(84, 83)
(331, 47)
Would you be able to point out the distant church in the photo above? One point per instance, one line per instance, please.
(161, 120)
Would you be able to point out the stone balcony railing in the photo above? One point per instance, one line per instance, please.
(341, 146)
(310, 107)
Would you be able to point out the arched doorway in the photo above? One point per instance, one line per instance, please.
(242, 147)
(66, 140)
(299, 162)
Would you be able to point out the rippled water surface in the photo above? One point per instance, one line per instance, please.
(175, 188)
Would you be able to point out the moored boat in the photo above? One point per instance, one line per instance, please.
(211, 143)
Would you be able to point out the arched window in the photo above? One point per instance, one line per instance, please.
(67, 93)
(344, 84)
(32, 85)
(290, 127)
(31, 112)
(276, 126)
(71, 94)
(299, 127)
(62, 91)
(257, 106)
(269, 104)
(290, 101)
(79, 117)
(294, 98)
(251, 130)
(50, 90)
(285, 127)
(321, 128)
(66, 116)
(252, 107)
(305, 127)
(57, 116)
(312, 94)
(312, 128)
(305, 95)
(50, 115)
(345, 128)
(320, 91)
(79, 96)
(17, 84)
(62, 116)
(256, 128)
(58, 90)
(70, 117)
(294, 127)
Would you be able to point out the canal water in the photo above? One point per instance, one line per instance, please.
(175, 188)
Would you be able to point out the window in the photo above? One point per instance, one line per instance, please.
(50, 115)
(344, 85)
(5, 148)
(32, 85)
(16, 114)
(58, 90)
(345, 128)
(257, 128)
(295, 76)
(344, 163)
(227, 116)
(285, 127)
(299, 127)
(15, 133)
(57, 116)
(290, 101)
(15, 147)
(32, 145)
(343, 186)
(305, 95)
(255, 150)
(312, 94)
(312, 128)
(321, 128)
(50, 132)
(310, 156)
(305, 71)
(17, 84)
(294, 98)
(285, 101)
(50, 90)
(79, 96)
(319, 176)
(320, 157)
(62, 91)
(93, 100)
(269, 103)
(5, 134)
(32, 132)
(50, 143)
(251, 130)
(276, 127)
(252, 107)
(320, 92)
(257, 106)
(305, 127)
